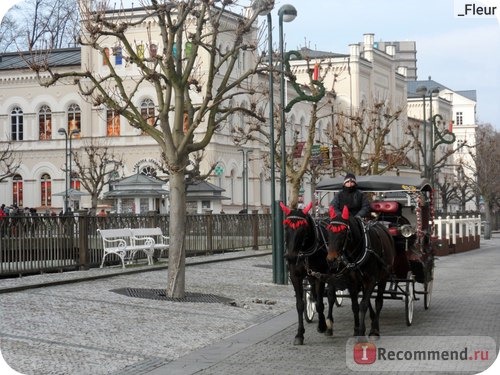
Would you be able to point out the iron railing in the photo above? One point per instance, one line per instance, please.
(35, 244)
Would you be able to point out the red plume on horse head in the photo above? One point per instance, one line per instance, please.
(333, 214)
(345, 213)
(285, 209)
(306, 209)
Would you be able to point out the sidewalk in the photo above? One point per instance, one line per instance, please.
(76, 323)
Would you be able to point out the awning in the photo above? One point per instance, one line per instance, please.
(378, 183)
(72, 194)
(136, 193)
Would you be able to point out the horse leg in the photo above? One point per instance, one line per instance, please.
(379, 302)
(368, 288)
(331, 301)
(319, 288)
(353, 293)
(298, 287)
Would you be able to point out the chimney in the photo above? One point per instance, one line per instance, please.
(368, 46)
(390, 50)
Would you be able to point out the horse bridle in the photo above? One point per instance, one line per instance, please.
(366, 248)
(314, 247)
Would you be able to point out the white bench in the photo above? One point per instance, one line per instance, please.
(123, 243)
(162, 242)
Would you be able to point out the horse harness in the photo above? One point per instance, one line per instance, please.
(320, 241)
(366, 248)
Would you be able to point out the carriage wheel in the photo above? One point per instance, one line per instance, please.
(309, 306)
(427, 294)
(409, 299)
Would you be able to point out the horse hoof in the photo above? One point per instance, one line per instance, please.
(322, 328)
(361, 339)
(375, 335)
(329, 332)
(299, 341)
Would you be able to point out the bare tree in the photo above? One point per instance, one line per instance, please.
(296, 166)
(95, 166)
(192, 100)
(447, 190)
(8, 33)
(362, 139)
(9, 163)
(486, 157)
(465, 183)
(40, 24)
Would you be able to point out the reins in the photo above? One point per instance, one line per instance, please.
(316, 234)
(366, 249)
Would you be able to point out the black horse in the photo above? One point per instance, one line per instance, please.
(306, 250)
(361, 254)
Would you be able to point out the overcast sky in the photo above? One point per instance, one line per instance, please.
(462, 53)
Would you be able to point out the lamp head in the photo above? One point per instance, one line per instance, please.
(75, 131)
(263, 7)
(287, 13)
(62, 131)
(421, 90)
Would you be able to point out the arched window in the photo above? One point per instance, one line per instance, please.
(140, 51)
(74, 119)
(16, 121)
(148, 171)
(148, 111)
(17, 190)
(105, 56)
(153, 50)
(45, 123)
(45, 190)
(117, 51)
(112, 123)
(75, 182)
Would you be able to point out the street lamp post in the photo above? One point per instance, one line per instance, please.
(422, 90)
(286, 13)
(245, 153)
(264, 8)
(428, 164)
(439, 137)
(67, 138)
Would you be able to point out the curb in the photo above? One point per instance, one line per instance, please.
(18, 288)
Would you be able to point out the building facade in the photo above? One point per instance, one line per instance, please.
(31, 117)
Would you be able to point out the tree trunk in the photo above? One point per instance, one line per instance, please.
(94, 201)
(487, 217)
(177, 230)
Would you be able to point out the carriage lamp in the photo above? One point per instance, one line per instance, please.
(407, 230)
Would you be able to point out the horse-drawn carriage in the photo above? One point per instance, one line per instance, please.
(388, 255)
(405, 207)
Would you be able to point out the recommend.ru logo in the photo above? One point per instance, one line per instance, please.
(422, 353)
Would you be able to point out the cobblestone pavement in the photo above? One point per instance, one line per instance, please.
(82, 326)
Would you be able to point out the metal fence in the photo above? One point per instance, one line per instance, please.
(36, 244)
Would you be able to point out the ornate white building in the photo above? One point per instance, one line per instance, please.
(31, 116)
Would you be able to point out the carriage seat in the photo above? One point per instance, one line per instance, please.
(389, 212)
(386, 207)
